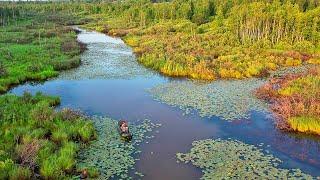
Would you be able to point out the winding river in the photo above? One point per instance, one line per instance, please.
(111, 83)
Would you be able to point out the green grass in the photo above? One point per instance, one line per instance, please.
(35, 49)
(33, 135)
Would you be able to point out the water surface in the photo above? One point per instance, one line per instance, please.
(111, 83)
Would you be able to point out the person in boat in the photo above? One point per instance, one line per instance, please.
(124, 130)
(124, 127)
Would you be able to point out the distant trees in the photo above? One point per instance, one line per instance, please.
(270, 21)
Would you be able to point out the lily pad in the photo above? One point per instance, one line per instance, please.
(232, 159)
(229, 100)
(113, 157)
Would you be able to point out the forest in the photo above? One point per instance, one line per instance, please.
(205, 40)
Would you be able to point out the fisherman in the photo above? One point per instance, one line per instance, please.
(124, 130)
(124, 127)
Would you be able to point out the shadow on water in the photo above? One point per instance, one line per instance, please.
(110, 82)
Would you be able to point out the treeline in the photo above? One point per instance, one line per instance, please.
(204, 39)
(248, 20)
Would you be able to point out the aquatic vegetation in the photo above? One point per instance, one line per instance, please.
(295, 100)
(109, 155)
(232, 159)
(117, 62)
(36, 140)
(229, 100)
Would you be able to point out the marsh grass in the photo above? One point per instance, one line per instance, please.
(305, 124)
(36, 49)
(36, 140)
(295, 100)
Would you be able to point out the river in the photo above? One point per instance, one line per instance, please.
(111, 83)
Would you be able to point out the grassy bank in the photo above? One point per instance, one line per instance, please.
(36, 48)
(295, 100)
(36, 140)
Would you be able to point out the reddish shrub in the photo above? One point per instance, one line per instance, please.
(27, 154)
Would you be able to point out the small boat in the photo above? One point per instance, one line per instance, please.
(124, 131)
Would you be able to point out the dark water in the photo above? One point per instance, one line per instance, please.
(110, 82)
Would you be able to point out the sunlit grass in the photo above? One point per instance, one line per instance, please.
(305, 124)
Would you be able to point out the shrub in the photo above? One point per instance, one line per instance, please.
(66, 64)
(314, 61)
(295, 101)
(49, 168)
(27, 153)
(293, 62)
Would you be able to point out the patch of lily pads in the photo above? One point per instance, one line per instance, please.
(109, 154)
(232, 159)
(228, 99)
(105, 58)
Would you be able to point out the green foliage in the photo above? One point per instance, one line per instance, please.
(40, 136)
(10, 170)
(35, 48)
